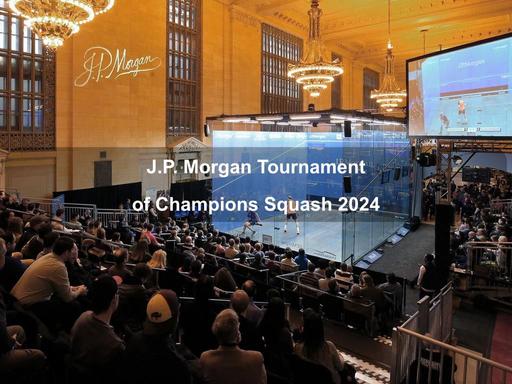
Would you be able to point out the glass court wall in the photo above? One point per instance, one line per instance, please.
(373, 205)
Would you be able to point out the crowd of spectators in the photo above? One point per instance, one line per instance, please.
(84, 303)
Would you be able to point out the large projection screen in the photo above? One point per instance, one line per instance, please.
(462, 92)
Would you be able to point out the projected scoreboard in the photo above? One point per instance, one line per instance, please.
(462, 92)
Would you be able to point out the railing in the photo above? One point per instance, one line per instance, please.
(500, 206)
(421, 353)
(50, 206)
(434, 317)
(115, 217)
(439, 362)
(489, 260)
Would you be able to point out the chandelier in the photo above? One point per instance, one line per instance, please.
(389, 95)
(314, 72)
(56, 20)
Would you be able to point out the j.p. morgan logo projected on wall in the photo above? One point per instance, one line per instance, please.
(100, 64)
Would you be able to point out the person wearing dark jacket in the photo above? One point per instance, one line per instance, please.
(16, 363)
(133, 298)
(251, 337)
(95, 348)
(13, 268)
(154, 347)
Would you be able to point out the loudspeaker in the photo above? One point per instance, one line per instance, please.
(206, 128)
(397, 173)
(348, 128)
(347, 184)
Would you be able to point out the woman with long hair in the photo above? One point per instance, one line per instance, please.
(314, 347)
(224, 280)
(275, 329)
(158, 260)
(140, 253)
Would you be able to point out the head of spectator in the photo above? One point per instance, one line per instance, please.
(311, 268)
(344, 267)
(231, 243)
(242, 258)
(116, 237)
(200, 254)
(249, 286)
(140, 251)
(74, 217)
(301, 253)
(120, 256)
(429, 258)
(288, 254)
(100, 234)
(15, 226)
(313, 333)
(240, 302)
(274, 318)
(188, 241)
(187, 264)
(355, 291)
(257, 247)
(195, 269)
(329, 273)
(49, 240)
(66, 249)
(224, 280)
(162, 313)
(142, 272)
(59, 213)
(103, 297)
(225, 328)
(158, 259)
(391, 278)
(368, 281)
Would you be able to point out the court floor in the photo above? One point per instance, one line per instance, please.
(330, 235)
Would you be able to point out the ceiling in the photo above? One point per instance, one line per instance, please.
(360, 26)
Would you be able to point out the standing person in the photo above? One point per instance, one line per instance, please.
(428, 280)
(291, 213)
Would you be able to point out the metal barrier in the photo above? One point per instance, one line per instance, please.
(489, 260)
(436, 362)
(49, 206)
(500, 206)
(420, 346)
(115, 217)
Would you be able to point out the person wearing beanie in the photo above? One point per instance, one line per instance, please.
(154, 346)
(224, 364)
(95, 348)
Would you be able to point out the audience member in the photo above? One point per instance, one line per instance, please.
(96, 351)
(45, 289)
(254, 314)
(250, 336)
(315, 348)
(154, 346)
(221, 365)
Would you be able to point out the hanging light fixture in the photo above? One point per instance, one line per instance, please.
(56, 20)
(314, 72)
(389, 95)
